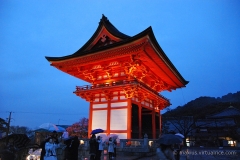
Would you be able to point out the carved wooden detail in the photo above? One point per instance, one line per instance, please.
(141, 96)
(88, 96)
(133, 68)
(108, 94)
(114, 63)
(88, 74)
(108, 71)
(159, 85)
(97, 66)
(159, 104)
(156, 104)
(103, 55)
(129, 91)
(103, 41)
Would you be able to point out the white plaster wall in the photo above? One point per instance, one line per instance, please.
(100, 105)
(99, 119)
(119, 104)
(122, 97)
(118, 119)
(96, 100)
(103, 100)
(115, 98)
(151, 105)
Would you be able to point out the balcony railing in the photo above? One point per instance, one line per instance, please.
(117, 83)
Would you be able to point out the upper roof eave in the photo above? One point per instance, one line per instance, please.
(114, 45)
(147, 32)
(159, 50)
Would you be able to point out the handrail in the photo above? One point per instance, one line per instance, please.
(144, 143)
(118, 83)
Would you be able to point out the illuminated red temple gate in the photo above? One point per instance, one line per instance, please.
(125, 75)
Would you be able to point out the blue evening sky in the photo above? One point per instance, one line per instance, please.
(200, 37)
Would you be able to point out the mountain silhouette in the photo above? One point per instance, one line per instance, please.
(202, 106)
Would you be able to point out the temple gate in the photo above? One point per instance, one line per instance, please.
(125, 75)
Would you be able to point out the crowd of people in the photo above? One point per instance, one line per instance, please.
(51, 143)
(69, 147)
(97, 146)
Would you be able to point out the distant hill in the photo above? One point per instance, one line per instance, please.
(203, 106)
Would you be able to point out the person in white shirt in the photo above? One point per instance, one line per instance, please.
(65, 135)
(100, 148)
(50, 148)
(110, 148)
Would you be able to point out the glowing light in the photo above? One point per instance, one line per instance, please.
(81, 142)
(33, 157)
(105, 151)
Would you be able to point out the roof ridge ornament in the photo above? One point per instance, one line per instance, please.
(104, 18)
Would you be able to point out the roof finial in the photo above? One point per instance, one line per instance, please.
(104, 18)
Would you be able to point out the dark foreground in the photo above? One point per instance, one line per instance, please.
(189, 154)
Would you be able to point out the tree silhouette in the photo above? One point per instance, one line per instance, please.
(20, 130)
(181, 124)
(3, 125)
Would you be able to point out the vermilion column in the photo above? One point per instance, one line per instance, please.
(108, 116)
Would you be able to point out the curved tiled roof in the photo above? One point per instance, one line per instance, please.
(108, 25)
(215, 123)
(122, 41)
(229, 112)
(146, 32)
(104, 21)
(82, 51)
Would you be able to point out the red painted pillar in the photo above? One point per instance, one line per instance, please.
(108, 117)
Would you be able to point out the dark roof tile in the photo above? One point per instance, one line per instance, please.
(229, 112)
